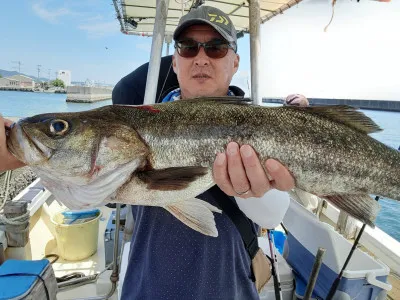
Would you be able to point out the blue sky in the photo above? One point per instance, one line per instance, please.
(357, 57)
(73, 35)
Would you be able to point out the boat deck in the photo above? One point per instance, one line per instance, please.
(43, 243)
(394, 280)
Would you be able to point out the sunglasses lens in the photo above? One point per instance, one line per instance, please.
(188, 48)
(216, 50)
(213, 49)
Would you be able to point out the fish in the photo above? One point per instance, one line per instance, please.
(162, 154)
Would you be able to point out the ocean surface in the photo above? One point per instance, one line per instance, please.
(24, 104)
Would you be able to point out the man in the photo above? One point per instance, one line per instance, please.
(167, 259)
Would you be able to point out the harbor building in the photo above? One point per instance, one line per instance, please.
(17, 82)
(65, 76)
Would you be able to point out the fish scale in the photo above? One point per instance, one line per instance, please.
(165, 152)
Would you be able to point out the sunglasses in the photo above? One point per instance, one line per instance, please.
(213, 49)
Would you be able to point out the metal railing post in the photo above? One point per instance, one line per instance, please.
(156, 51)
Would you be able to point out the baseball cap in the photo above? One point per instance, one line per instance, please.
(212, 16)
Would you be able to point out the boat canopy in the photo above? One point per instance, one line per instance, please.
(137, 17)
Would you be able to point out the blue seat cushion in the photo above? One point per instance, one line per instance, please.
(12, 286)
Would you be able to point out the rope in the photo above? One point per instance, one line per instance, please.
(19, 220)
(6, 186)
(333, 13)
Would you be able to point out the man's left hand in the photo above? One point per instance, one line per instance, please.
(239, 172)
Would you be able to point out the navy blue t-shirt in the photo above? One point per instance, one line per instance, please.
(169, 260)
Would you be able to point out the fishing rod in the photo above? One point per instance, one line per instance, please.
(275, 271)
(335, 284)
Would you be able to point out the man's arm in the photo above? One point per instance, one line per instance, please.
(7, 160)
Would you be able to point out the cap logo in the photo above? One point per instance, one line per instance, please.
(218, 19)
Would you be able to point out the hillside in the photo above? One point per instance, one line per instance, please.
(6, 73)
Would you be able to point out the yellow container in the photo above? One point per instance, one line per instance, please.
(76, 241)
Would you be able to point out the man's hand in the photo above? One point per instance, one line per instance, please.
(238, 172)
(7, 160)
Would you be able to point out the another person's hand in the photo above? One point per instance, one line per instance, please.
(296, 100)
(239, 172)
(7, 160)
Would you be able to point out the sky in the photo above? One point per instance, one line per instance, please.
(73, 35)
(356, 58)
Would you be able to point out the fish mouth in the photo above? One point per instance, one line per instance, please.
(10, 141)
(26, 147)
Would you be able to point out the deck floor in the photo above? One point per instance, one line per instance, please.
(394, 280)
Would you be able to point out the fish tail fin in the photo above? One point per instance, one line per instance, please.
(197, 214)
(360, 206)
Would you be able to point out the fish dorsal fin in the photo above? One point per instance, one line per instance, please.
(346, 115)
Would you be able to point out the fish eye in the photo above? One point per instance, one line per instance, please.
(58, 127)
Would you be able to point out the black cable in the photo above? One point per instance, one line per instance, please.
(28, 274)
(274, 271)
(335, 284)
(165, 80)
(55, 258)
(70, 276)
(284, 228)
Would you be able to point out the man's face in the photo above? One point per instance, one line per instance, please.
(201, 75)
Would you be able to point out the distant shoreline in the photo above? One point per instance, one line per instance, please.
(382, 105)
(12, 89)
(30, 90)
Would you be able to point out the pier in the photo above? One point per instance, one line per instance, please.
(387, 105)
(19, 89)
(88, 94)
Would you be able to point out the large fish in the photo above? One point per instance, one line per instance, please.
(162, 155)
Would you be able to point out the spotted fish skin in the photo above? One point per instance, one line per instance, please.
(169, 149)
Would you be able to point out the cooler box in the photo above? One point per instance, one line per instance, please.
(364, 278)
(19, 279)
(285, 276)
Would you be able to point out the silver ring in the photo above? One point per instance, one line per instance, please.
(243, 193)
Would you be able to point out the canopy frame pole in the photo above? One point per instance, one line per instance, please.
(156, 51)
(168, 41)
(119, 16)
(255, 48)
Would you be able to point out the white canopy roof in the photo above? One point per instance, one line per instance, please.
(138, 16)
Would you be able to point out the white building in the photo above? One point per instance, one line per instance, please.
(65, 76)
(9, 83)
(24, 81)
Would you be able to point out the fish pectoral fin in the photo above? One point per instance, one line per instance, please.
(197, 214)
(359, 206)
(171, 179)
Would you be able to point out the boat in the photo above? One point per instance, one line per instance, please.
(374, 268)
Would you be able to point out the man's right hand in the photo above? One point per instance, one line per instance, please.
(7, 160)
